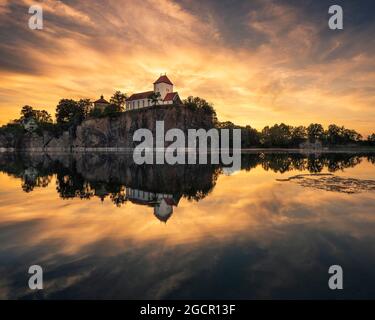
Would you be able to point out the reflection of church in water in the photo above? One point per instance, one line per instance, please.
(162, 203)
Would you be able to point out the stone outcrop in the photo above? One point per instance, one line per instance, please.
(110, 133)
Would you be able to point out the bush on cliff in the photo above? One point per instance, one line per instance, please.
(111, 111)
(69, 111)
(13, 128)
(198, 104)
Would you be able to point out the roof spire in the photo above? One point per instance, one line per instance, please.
(163, 79)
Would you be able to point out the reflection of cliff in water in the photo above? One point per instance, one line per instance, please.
(113, 176)
(116, 177)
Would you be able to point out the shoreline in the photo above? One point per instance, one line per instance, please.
(244, 151)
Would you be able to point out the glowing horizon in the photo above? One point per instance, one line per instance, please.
(258, 62)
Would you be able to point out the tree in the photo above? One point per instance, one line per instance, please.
(341, 135)
(250, 137)
(69, 112)
(41, 116)
(190, 103)
(371, 139)
(27, 112)
(351, 136)
(112, 110)
(276, 136)
(199, 104)
(154, 97)
(298, 135)
(315, 131)
(85, 105)
(95, 113)
(119, 99)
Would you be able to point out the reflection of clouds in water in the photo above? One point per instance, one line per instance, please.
(250, 238)
(289, 262)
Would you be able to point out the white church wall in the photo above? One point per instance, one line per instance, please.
(163, 89)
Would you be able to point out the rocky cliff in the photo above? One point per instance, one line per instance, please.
(110, 132)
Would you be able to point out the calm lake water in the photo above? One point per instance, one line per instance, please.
(102, 227)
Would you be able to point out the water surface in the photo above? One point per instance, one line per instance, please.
(102, 227)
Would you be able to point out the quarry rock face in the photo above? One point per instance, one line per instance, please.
(111, 132)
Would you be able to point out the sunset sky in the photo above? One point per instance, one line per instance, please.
(259, 62)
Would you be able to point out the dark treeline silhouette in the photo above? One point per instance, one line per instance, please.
(108, 176)
(286, 136)
(70, 113)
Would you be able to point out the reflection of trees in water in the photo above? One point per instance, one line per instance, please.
(371, 158)
(29, 183)
(108, 176)
(71, 184)
(197, 192)
(119, 197)
(314, 163)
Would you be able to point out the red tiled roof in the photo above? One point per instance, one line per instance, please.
(170, 96)
(141, 95)
(101, 100)
(163, 79)
(170, 201)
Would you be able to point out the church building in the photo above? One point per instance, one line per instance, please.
(163, 87)
(101, 104)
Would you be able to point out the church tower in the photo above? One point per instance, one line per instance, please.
(163, 85)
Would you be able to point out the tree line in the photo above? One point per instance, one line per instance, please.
(70, 113)
(284, 136)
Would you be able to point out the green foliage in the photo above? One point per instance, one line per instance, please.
(341, 135)
(154, 97)
(85, 105)
(119, 99)
(27, 112)
(201, 105)
(13, 128)
(53, 128)
(315, 131)
(69, 112)
(250, 137)
(112, 110)
(298, 135)
(96, 113)
(40, 116)
(371, 139)
(278, 135)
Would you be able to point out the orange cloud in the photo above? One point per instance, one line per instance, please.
(93, 48)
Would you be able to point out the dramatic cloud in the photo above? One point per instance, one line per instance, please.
(259, 62)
